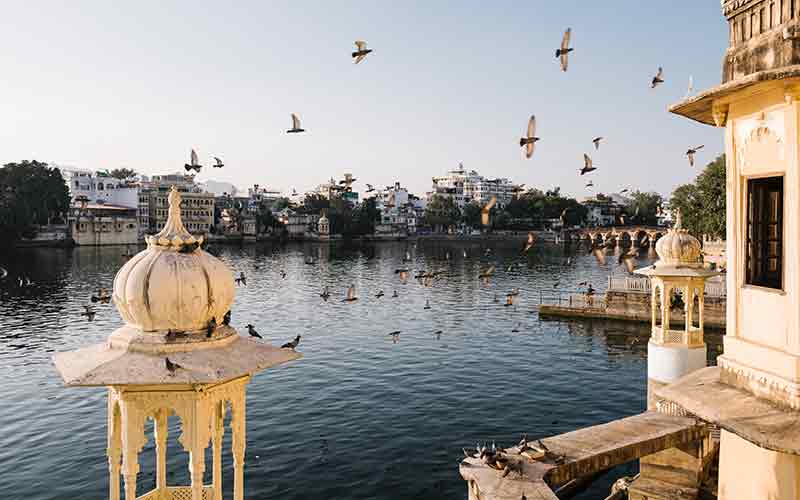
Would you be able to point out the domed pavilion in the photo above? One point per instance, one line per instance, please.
(175, 355)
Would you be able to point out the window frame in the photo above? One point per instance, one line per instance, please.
(776, 282)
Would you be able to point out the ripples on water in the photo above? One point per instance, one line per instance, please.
(359, 416)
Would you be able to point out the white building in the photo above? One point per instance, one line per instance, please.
(468, 186)
(100, 188)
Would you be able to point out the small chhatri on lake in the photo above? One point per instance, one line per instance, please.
(175, 356)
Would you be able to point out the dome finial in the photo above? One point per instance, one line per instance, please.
(174, 232)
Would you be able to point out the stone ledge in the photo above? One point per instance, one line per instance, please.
(757, 420)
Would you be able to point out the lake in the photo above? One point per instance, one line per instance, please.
(360, 416)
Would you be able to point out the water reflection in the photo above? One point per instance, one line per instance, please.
(364, 414)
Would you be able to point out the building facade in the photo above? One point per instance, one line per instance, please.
(104, 225)
(468, 186)
(197, 207)
(99, 188)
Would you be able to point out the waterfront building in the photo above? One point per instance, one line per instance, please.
(468, 186)
(173, 356)
(753, 394)
(602, 210)
(101, 224)
(99, 188)
(197, 209)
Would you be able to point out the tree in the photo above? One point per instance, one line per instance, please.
(442, 212)
(471, 215)
(280, 204)
(702, 203)
(643, 207)
(32, 193)
(123, 173)
(365, 217)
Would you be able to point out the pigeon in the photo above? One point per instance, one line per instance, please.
(283, 274)
(351, 294)
(361, 51)
(89, 312)
(509, 300)
(488, 272)
(188, 247)
(529, 141)
(588, 166)
(486, 210)
(438, 334)
(172, 336)
(379, 294)
(658, 79)
(563, 52)
(210, 327)
(691, 152)
(218, 163)
(242, 279)
(226, 320)
(596, 142)
(295, 125)
(171, 367)
(102, 296)
(516, 328)
(293, 344)
(193, 163)
(394, 294)
(370, 188)
(624, 191)
(325, 294)
(395, 336)
(427, 304)
(590, 184)
(563, 216)
(252, 331)
(557, 284)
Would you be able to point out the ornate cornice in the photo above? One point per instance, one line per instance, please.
(732, 7)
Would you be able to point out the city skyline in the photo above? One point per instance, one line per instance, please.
(443, 85)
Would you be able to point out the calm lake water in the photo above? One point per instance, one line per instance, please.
(359, 417)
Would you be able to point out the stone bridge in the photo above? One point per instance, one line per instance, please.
(585, 452)
(621, 235)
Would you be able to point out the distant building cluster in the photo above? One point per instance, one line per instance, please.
(468, 186)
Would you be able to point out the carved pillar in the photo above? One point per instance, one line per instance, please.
(198, 427)
(238, 445)
(219, 432)
(114, 449)
(701, 305)
(666, 309)
(689, 309)
(160, 419)
(654, 305)
(132, 442)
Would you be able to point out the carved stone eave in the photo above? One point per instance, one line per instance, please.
(710, 107)
(732, 7)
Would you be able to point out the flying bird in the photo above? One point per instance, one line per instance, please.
(102, 296)
(590, 184)
(293, 344)
(485, 211)
(351, 294)
(379, 294)
(529, 141)
(218, 163)
(588, 165)
(395, 336)
(658, 79)
(325, 294)
(295, 125)
(89, 312)
(361, 51)
(488, 272)
(624, 191)
(691, 152)
(427, 304)
(252, 331)
(531, 241)
(596, 142)
(241, 280)
(563, 52)
(690, 89)
(370, 188)
(3, 273)
(193, 163)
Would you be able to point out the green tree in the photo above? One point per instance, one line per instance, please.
(33, 193)
(280, 204)
(702, 203)
(643, 207)
(365, 217)
(123, 173)
(441, 212)
(471, 215)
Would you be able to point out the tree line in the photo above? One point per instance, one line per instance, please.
(702, 202)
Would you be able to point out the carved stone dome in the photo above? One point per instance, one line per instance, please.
(678, 248)
(173, 284)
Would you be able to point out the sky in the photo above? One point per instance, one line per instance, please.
(98, 84)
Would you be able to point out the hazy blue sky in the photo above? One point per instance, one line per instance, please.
(137, 84)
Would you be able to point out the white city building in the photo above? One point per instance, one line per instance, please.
(469, 186)
(100, 188)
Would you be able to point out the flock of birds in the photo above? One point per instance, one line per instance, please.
(527, 142)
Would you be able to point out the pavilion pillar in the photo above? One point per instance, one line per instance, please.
(160, 419)
(133, 440)
(114, 449)
(688, 306)
(219, 432)
(666, 309)
(238, 445)
(199, 428)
